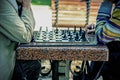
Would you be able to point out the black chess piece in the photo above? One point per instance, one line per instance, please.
(65, 36)
(63, 32)
(74, 29)
(83, 37)
(56, 30)
(77, 37)
(68, 31)
(80, 31)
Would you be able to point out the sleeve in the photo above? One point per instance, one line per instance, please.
(108, 26)
(15, 28)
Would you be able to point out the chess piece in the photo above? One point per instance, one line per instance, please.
(74, 29)
(53, 38)
(56, 30)
(80, 31)
(58, 36)
(40, 35)
(77, 37)
(65, 36)
(68, 31)
(47, 35)
(83, 37)
(71, 37)
(35, 36)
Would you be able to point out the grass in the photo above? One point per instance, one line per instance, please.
(41, 2)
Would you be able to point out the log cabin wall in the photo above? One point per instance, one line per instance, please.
(73, 12)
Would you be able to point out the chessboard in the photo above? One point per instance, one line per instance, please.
(64, 37)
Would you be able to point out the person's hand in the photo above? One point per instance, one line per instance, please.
(90, 29)
(25, 3)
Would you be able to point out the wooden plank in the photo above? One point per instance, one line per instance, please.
(73, 21)
(74, 11)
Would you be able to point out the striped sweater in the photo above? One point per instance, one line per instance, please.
(108, 25)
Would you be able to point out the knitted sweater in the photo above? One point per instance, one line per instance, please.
(108, 25)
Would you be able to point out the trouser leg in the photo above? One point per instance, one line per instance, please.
(26, 70)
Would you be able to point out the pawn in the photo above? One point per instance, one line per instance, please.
(56, 30)
(71, 37)
(74, 29)
(58, 36)
(68, 31)
(47, 34)
(77, 37)
(53, 36)
(65, 36)
(80, 31)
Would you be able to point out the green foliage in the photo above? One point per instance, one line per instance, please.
(41, 2)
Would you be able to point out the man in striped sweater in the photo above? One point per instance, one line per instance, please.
(108, 33)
